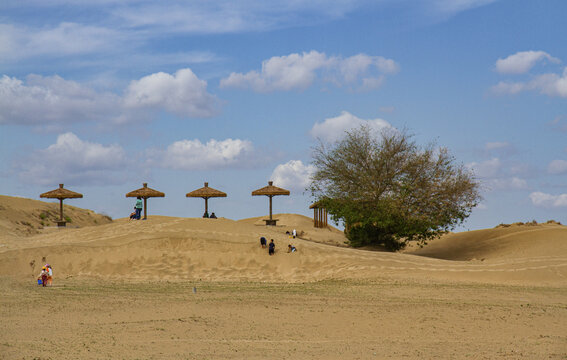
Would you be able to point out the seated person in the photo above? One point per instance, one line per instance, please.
(213, 216)
(291, 248)
(206, 215)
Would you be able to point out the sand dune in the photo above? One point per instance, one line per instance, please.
(168, 248)
(192, 288)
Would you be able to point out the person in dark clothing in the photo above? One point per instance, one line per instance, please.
(272, 247)
(263, 242)
(213, 216)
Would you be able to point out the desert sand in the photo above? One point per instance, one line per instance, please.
(192, 288)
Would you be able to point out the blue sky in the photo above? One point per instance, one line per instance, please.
(107, 95)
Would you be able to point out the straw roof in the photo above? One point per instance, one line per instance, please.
(206, 192)
(315, 205)
(145, 192)
(270, 190)
(61, 193)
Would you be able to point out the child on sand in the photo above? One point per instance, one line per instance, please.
(272, 248)
(291, 248)
(263, 242)
(43, 276)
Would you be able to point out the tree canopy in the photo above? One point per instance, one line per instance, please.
(389, 190)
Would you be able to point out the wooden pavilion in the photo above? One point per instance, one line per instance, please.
(319, 215)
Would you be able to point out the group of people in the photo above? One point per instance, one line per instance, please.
(212, 216)
(292, 233)
(272, 246)
(45, 278)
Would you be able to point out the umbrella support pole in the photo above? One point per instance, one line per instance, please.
(271, 221)
(145, 208)
(61, 222)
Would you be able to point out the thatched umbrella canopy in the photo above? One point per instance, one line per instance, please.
(270, 191)
(145, 192)
(61, 194)
(206, 192)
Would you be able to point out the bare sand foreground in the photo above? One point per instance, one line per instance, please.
(189, 288)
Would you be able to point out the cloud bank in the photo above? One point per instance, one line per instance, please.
(544, 200)
(300, 71)
(195, 155)
(53, 100)
(551, 84)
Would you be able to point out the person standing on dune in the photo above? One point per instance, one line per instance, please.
(138, 208)
(271, 248)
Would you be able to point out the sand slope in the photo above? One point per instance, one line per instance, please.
(510, 242)
(23, 217)
(168, 248)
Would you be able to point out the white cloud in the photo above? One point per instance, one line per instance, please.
(47, 100)
(293, 175)
(194, 155)
(183, 94)
(551, 84)
(496, 145)
(512, 183)
(508, 88)
(547, 200)
(547, 84)
(299, 71)
(65, 39)
(496, 175)
(74, 161)
(226, 16)
(451, 7)
(486, 169)
(53, 100)
(387, 109)
(522, 62)
(332, 129)
(557, 167)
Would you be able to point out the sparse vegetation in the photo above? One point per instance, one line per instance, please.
(68, 219)
(529, 223)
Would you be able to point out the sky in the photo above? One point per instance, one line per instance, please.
(106, 95)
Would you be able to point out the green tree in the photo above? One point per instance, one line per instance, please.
(388, 190)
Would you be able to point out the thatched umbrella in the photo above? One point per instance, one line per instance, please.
(206, 192)
(61, 194)
(145, 192)
(270, 191)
